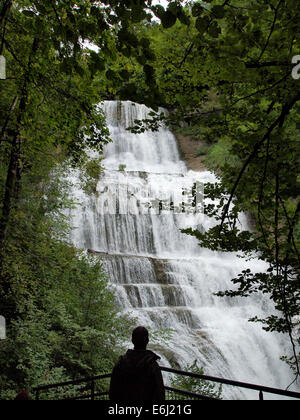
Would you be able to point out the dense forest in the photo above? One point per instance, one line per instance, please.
(227, 73)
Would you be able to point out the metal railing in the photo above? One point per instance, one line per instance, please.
(90, 390)
(261, 389)
(90, 386)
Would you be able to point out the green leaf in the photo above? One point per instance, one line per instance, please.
(110, 75)
(202, 24)
(127, 37)
(125, 75)
(168, 19)
(79, 70)
(97, 62)
(214, 30)
(41, 8)
(141, 59)
(126, 52)
(145, 42)
(175, 8)
(128, 91)
(159, 11)
(197, 10)
(184, 18)
(66, 67)
(149, 71)
(218, 12)
(149, 54)
(138, 14)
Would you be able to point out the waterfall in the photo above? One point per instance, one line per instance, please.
(161, 276)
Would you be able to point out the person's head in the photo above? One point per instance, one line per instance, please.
(140, 338)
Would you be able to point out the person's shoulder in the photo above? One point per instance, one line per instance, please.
(153, 355)
(120, 360)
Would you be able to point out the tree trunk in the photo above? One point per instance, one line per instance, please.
(9, 115)
(9, 189)
(7, 303)
(5, 9)
(13, 169)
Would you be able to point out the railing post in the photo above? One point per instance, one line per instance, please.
(93, 390)
(261, 396)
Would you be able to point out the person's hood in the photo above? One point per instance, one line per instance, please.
(138, 360)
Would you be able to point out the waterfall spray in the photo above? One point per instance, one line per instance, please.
(162, 276)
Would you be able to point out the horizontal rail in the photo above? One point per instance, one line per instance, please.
(235, 383)
(190, 394)
(87, 396)
(92, 380)
(76, 382)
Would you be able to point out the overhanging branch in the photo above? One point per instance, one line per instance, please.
(278, 122)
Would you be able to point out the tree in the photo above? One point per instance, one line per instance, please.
(48, 64)
(66, 324)
(55, 300)
(260, 106)
(242, 52)
(49, 97)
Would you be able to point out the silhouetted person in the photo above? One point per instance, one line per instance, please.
(137, 376)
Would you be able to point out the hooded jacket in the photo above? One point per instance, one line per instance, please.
(137, 377)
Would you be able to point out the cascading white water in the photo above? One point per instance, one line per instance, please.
(161, 276)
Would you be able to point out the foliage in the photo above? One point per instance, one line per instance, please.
(259, 120)
(66, 323)
(197, 386)
(50, 94)
(59, 66)
(60, 58)
(122, 167)
(219, 155)
(90, 173)
(203, 151)
(242, 52)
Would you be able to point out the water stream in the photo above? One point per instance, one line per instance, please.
(162, 276)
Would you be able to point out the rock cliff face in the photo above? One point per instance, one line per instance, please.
(188, 148)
